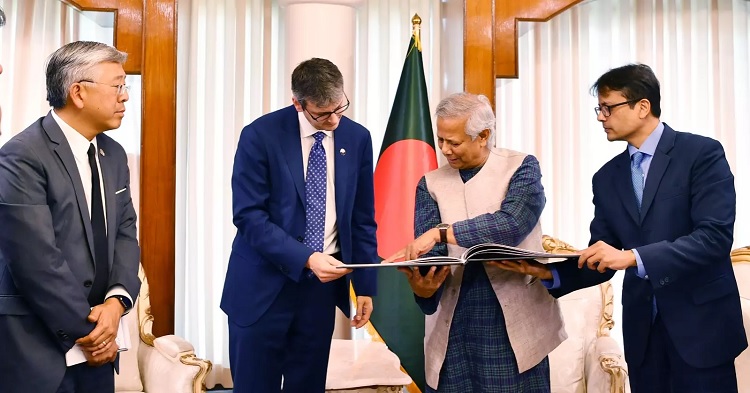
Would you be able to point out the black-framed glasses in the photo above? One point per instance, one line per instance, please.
(606, 110)
(324, 116)
(121, 89)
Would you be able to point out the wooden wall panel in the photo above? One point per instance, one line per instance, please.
(491, 38)
(479, 41)
(155, 59)
(507, 15)
(159, 157)
(128, 28)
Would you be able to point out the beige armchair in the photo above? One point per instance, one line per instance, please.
(741, 265)
(165, 364)
(589, 360)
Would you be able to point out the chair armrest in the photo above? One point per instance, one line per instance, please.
(605, 367)
(170, 366)
(173, 346)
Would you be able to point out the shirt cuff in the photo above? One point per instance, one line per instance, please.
(641, 269)
(554, 283)
(119, 290)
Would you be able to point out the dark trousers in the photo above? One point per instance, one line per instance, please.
(83, 378)
(664, 371)
(292, 339)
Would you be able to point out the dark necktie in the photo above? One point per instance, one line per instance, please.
(101, 278)
(315, 194)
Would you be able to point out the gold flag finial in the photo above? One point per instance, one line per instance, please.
(416, 23)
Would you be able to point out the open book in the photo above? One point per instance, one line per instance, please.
(480, 253)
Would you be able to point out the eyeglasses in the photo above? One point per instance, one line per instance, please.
(121, 89)
(324, 116)
(606, 110)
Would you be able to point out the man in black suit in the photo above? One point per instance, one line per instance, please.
(68, 248)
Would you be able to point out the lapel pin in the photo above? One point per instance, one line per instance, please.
(342, 152)
(101, 152)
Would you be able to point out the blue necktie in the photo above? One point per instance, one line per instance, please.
(315, 192)
(636, 174)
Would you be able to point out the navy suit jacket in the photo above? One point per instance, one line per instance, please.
(684, 234)
(268, 196)
(47, 251)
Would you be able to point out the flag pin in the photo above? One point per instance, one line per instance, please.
(101, 152)
(342, 152)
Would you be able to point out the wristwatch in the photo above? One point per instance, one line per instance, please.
(124, 301)
(443, 228)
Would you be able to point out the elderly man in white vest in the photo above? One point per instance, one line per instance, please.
(486, 329)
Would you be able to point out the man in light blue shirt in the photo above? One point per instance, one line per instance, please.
(664, 213)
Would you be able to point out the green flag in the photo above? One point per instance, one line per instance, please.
(407, 153)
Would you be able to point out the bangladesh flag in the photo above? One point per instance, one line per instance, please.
(407, 153)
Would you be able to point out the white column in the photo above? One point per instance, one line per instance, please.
(320, 28)
(324, 29)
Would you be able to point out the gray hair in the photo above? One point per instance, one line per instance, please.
(72, 63)
(317, 81)
(477, 110)
(2, 17)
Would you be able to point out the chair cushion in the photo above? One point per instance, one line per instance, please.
(129, 379)
(581, 312)
(566, 366)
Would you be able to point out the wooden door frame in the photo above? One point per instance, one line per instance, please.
(491, 38)
(147, 31)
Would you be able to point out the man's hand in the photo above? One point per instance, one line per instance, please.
(528, 267)
(107, 319)
(108, 354)
(364, 310)
(417, 247)
(425, 286)
(601, 256)
(324, 267)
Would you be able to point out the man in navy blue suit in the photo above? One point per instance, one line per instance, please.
(303, 202)
(664, 213)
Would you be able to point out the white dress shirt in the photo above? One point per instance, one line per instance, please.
(80, 147)
(306, 131)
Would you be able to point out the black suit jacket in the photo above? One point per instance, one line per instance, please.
(47, 248)
(684, 234)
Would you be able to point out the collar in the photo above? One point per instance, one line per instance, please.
(650, 144)
(78, 143)
(307, 130)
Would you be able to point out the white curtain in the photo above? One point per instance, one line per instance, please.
(230, 53)
(34, 29)
(220, 89)
(699, 50)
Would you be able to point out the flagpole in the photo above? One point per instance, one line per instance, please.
(416, 28)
